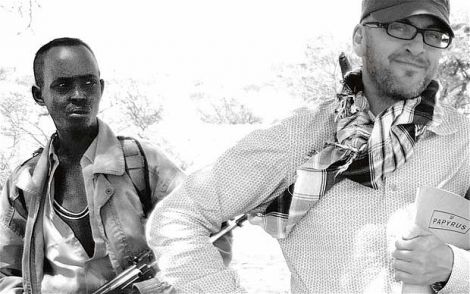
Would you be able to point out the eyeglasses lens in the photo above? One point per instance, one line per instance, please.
(407, 32)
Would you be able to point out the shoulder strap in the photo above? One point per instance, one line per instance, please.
(21, 206)
(137, 169)
(33, 160)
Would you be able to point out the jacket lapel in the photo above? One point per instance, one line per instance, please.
(109, 157)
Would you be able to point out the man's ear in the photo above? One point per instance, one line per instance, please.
(102, 86)
(37, 96)
(358, 40)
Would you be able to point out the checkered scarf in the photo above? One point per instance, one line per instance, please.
(365, 151)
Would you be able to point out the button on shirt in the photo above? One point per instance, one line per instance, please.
(71, 270)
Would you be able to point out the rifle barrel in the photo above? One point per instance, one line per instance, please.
(344, 64)
(133, 273)
(232, 225)
(120, 281)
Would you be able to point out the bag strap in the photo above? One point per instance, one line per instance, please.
(137, 169)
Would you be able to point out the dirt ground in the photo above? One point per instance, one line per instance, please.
(259, 262)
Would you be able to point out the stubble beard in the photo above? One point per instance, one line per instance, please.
(387, 83)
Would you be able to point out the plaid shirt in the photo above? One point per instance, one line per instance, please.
(342, 245)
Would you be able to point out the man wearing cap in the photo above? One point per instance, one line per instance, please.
(330, 182)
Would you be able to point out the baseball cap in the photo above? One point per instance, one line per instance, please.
(392, 10)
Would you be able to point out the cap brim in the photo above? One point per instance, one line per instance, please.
(409, 9)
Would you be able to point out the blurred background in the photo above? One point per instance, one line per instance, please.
(193, 77)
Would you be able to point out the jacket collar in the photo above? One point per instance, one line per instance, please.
(105, 153)
(33, 178)
(108, 157)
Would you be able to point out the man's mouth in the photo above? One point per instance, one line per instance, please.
(79, 110)
(412, 63)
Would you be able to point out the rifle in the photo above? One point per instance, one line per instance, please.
(344, 64)
(350, 81)
(232, 224)
(145, 267)
(351, 78)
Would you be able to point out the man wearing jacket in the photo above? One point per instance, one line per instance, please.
(71, 218)
(333, 183)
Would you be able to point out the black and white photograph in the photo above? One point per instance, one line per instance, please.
(235, 146)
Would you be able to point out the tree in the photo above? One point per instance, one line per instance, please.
(21, 121)
(227, 111)
(138, 108)
(214, 107)
(455, 70)
(23, 8)
(317, 77)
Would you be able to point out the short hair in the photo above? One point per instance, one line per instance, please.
(38, 63)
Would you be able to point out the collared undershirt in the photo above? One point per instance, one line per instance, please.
(68, 266)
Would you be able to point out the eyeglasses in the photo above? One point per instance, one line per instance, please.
(404, 31)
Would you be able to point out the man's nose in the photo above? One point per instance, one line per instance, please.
(416, 45)
(78, 93)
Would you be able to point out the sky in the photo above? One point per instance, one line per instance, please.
(190, 39)
(187, 38)
(227, 43)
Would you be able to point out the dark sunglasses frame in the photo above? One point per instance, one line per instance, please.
(417, 31)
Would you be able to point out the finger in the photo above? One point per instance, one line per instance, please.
(402, 244)
(403, 266)
(409, 272)
(406, 272)
(405, 277)
(409, 278)
(414, 232)
(404, 255)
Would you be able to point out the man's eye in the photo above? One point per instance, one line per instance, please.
(90, 83)
(399, 28)
(435, 35)
(62, 87)
(403, 28)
